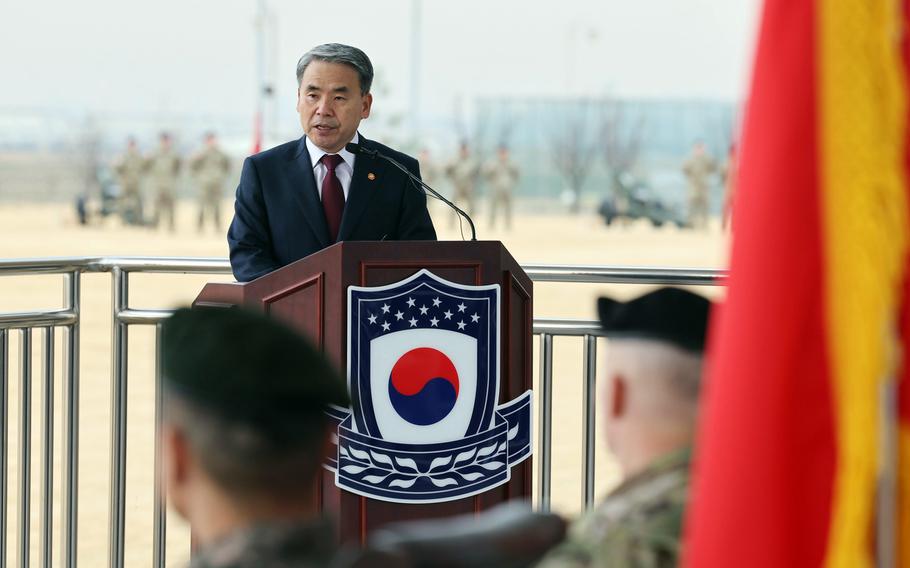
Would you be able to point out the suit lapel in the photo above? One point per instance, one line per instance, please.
(303, 188)
(361, 190)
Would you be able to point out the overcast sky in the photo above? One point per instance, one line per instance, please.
(197, 56)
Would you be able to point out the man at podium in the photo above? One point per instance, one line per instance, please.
(307, 194)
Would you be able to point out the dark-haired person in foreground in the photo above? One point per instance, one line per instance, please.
(308, 194)
(244, 436)
(650, 397)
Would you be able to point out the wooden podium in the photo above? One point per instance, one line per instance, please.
(311, 295)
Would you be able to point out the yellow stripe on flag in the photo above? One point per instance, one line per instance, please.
(864, 212)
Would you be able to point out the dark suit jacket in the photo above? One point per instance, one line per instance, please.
(278, 216)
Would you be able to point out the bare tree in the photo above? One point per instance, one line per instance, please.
(620, 140)
(574, 147)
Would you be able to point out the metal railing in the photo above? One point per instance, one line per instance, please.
(124, 316)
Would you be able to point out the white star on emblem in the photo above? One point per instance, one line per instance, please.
(434, 322)
(461, 325)
(436, 302)
(386, 326)
(372, 319)
(461, 307)
(413, 322)
(399, 315)
(411, 302)
(385, 308)
(447, 314)
(475, 318)
(424, 310)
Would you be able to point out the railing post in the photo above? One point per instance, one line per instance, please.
(47, 466)
(545, 400)
(72, 300)
(160, 519)
(120, 302)
(25, 444)
(4, 439)
(589, 440)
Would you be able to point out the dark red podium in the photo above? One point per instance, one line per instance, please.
(311, 294)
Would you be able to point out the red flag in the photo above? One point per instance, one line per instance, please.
(257, 133)
(788, 448)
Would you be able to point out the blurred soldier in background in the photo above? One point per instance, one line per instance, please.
(211, 168)
(163, 168)
(462, 172)
(129, 168)
(650, 396)
(501, 175)
(698, 169)
(729, 177)
(431, 174)
(429, 170)
(244, 435)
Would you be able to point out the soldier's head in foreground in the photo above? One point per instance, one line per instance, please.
(654, 367)
(244, 431)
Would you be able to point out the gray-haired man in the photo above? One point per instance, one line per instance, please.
(308, 194)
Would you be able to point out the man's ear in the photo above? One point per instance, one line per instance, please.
(176, 452)
(618, 393)
(367, 105)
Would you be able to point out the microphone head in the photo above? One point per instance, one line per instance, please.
(352, 148)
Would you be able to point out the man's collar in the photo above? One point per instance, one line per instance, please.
(316, 153)
(679, 459)
(302, 542)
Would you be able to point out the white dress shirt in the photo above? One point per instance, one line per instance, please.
(343, 171)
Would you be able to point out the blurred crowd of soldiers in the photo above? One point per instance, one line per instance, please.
(465, 173)
(153, 178)
(156, 176)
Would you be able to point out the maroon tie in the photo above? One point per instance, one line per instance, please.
(332, 195)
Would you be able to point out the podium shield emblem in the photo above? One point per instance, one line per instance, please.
(425, 425)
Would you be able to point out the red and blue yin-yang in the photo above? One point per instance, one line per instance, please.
(423, 386)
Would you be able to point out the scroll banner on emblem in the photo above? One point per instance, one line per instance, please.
(423, 371)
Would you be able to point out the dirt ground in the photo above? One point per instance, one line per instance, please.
(38, 231)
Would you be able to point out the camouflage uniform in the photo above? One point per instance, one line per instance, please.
(502, 177)
(698, 169)
(308, 544)
(210, 168)
(129, 171)
(637, 526)
(463, 174)
(163, 167)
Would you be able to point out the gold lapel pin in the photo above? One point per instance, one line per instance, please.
(371, 176)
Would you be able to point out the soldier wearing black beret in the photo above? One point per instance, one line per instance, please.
(650, 398)
(244, 436)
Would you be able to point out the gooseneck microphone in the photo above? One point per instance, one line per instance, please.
(358, 149)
